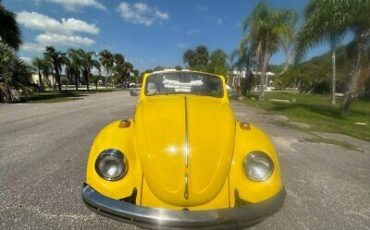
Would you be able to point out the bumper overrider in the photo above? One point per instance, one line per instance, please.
(156, 218)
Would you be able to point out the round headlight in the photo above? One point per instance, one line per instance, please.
(111, 165)
(258, 166)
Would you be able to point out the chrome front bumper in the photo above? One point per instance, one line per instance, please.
(156, 218)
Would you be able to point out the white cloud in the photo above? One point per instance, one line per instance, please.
(64, 40)
(161, 15)
(80, 26)
(141, 13)
(27, 60)
(194, 31)
(32, 47)
(141, 7)
(36, 21)
(59, 33)
(219, 21)
(33, 20)
(75, 5)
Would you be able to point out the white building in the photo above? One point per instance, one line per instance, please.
(235, 76)
(35, 79)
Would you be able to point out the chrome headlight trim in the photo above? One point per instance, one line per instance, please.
(114, 155)
(264, 161)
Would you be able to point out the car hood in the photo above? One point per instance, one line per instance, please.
(185, 145)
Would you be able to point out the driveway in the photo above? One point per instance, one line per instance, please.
(44, 148)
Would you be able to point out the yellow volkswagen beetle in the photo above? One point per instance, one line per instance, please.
(183, 161)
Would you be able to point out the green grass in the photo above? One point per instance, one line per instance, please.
(56, 97)
(316, 111)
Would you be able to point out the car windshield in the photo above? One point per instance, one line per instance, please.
(184, 83)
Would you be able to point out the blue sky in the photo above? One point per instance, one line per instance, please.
(147, 33)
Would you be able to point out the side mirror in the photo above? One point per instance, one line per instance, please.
(134, 92)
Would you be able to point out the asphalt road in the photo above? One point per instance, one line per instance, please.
(44, 148)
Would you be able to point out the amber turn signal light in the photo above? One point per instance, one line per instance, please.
(245, 126)
(124, 124)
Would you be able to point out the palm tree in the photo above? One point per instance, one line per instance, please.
(266, 28)
(119, 67)
(14, 75)
(73, 65)
(333, 47)
(336, 17)
(57, 59)
(46, 70)
(129, 68)
(188, 58)
(98, 67)
(119, 59)
(87, 63)
(38, 63)
(201, 57)
(136, 73)
(242, 60)
(9, 29)
(197, 59)
(68, 70)
(287, 42)
(332, 36)
(107, 61)
(218, 63)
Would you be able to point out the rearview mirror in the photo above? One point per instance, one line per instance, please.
(134, 92)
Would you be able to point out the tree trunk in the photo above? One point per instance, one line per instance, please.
(265, 57)
(87, 80)
(59, 84)
(76, 81)
(70, 79)
(359, 48)
(244, 92)
(41, 83)
(258, 63)
(288, 58)
(265, 61)
(55, 80)
(58, 81)
(334, 72)
(57, 76)
(9, 97)
(248, 77)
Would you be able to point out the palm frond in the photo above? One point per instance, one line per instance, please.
(9, 30)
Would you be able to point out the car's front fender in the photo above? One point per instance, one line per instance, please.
(247, 140)
(115, 136)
